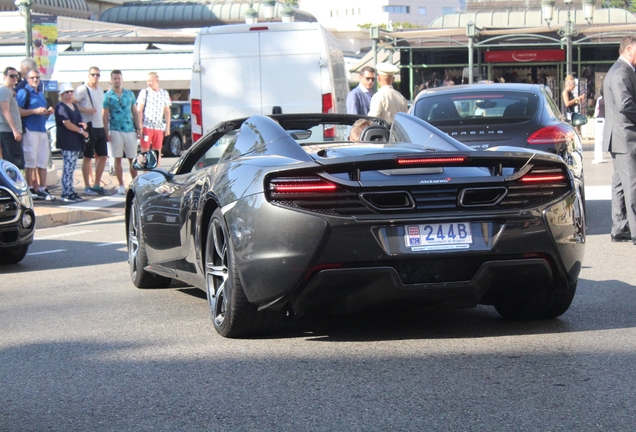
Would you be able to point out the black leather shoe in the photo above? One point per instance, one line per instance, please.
(634, 240)
(621, 237)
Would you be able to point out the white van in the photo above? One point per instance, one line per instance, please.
(242, 70)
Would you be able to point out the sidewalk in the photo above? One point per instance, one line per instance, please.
(55, 213)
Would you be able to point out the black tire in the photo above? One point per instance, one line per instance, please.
(173, 145)
(549, 304)
(233, 316)
(13, 255)
(137, 259)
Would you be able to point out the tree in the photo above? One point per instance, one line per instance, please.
(620, 4)
(291, 2)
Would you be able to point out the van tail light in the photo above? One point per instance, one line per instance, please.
(301, 185)
(327, 107)
(552, 135)
(196, 120)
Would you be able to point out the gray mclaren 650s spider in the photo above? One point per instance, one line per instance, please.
(275, 217)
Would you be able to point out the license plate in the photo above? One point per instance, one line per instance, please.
(438, 236)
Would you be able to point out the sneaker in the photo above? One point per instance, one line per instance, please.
(111, 171)
(68, 198)
(90, 191)
(121, 190)
(76, 197)
(34, 195)
(45, 195)
(99, 190)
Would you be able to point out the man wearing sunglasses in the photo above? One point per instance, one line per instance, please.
(10, 121)
(25, 66)
(32, 105)
(90, 101)
(359, 99)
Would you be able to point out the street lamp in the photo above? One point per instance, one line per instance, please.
(268, 9)
(24, 6)
(569, 29)
(470, 34)
(287, 14)
(251, 16)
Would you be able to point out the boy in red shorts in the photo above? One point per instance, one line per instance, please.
(153, 105)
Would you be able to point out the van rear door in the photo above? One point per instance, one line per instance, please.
(231, 76)
(291, 65)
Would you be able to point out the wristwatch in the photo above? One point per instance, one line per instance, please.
(81, 130)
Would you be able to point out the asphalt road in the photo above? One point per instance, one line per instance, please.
(81, 349)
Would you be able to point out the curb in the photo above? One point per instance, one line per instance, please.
(60, 216)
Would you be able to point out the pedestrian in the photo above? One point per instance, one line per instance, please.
(71, 135)
(35, 143)
(357, 128)
(619, 138)
(25, 66)
(359, 99)
(153, 107)
(599, 129)
(569, 101)
(90, 100)
(120, 123)
(10, 120)
(387, 102)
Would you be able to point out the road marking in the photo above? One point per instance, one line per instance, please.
(598, 193)
(47, 252)
(111, 243)
(65, 234)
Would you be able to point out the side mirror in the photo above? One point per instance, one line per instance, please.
(578, 119)
(145, 161)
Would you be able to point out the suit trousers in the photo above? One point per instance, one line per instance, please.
(624, 195)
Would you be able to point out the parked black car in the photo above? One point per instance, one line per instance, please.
(17, 219)
(520, 115)
(180, 137)
(276, 218)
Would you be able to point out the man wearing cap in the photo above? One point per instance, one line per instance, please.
(387, 102)
(359, 99)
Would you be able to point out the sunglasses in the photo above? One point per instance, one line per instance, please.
(34, 78)
(67, 91)
(95, 74)
(369, 78)
(13, 75)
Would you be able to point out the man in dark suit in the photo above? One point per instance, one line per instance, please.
(359, 99)
(619, 138)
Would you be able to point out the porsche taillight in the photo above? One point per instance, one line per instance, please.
(551, 135)
(196, 119)
(301, 185)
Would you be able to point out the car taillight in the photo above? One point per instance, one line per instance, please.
(542, 178)
(431, 160)
(196, 120)
(302, 185)
(557, 134)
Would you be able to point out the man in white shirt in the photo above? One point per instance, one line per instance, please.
(153, 105)
(387, 102)
(90, 100)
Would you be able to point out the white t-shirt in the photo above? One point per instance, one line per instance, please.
(96, 100)
(154, 103)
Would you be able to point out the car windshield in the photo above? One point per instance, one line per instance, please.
(477, 108)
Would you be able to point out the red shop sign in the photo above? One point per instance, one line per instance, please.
(524, 56)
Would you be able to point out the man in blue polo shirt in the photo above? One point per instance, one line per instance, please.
(32, 105)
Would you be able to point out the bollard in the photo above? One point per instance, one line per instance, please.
(598, 141)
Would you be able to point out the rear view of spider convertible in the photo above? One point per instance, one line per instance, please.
(278, 218)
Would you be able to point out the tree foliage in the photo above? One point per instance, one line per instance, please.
(396, 25)
(620, 4)
(291, 2)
